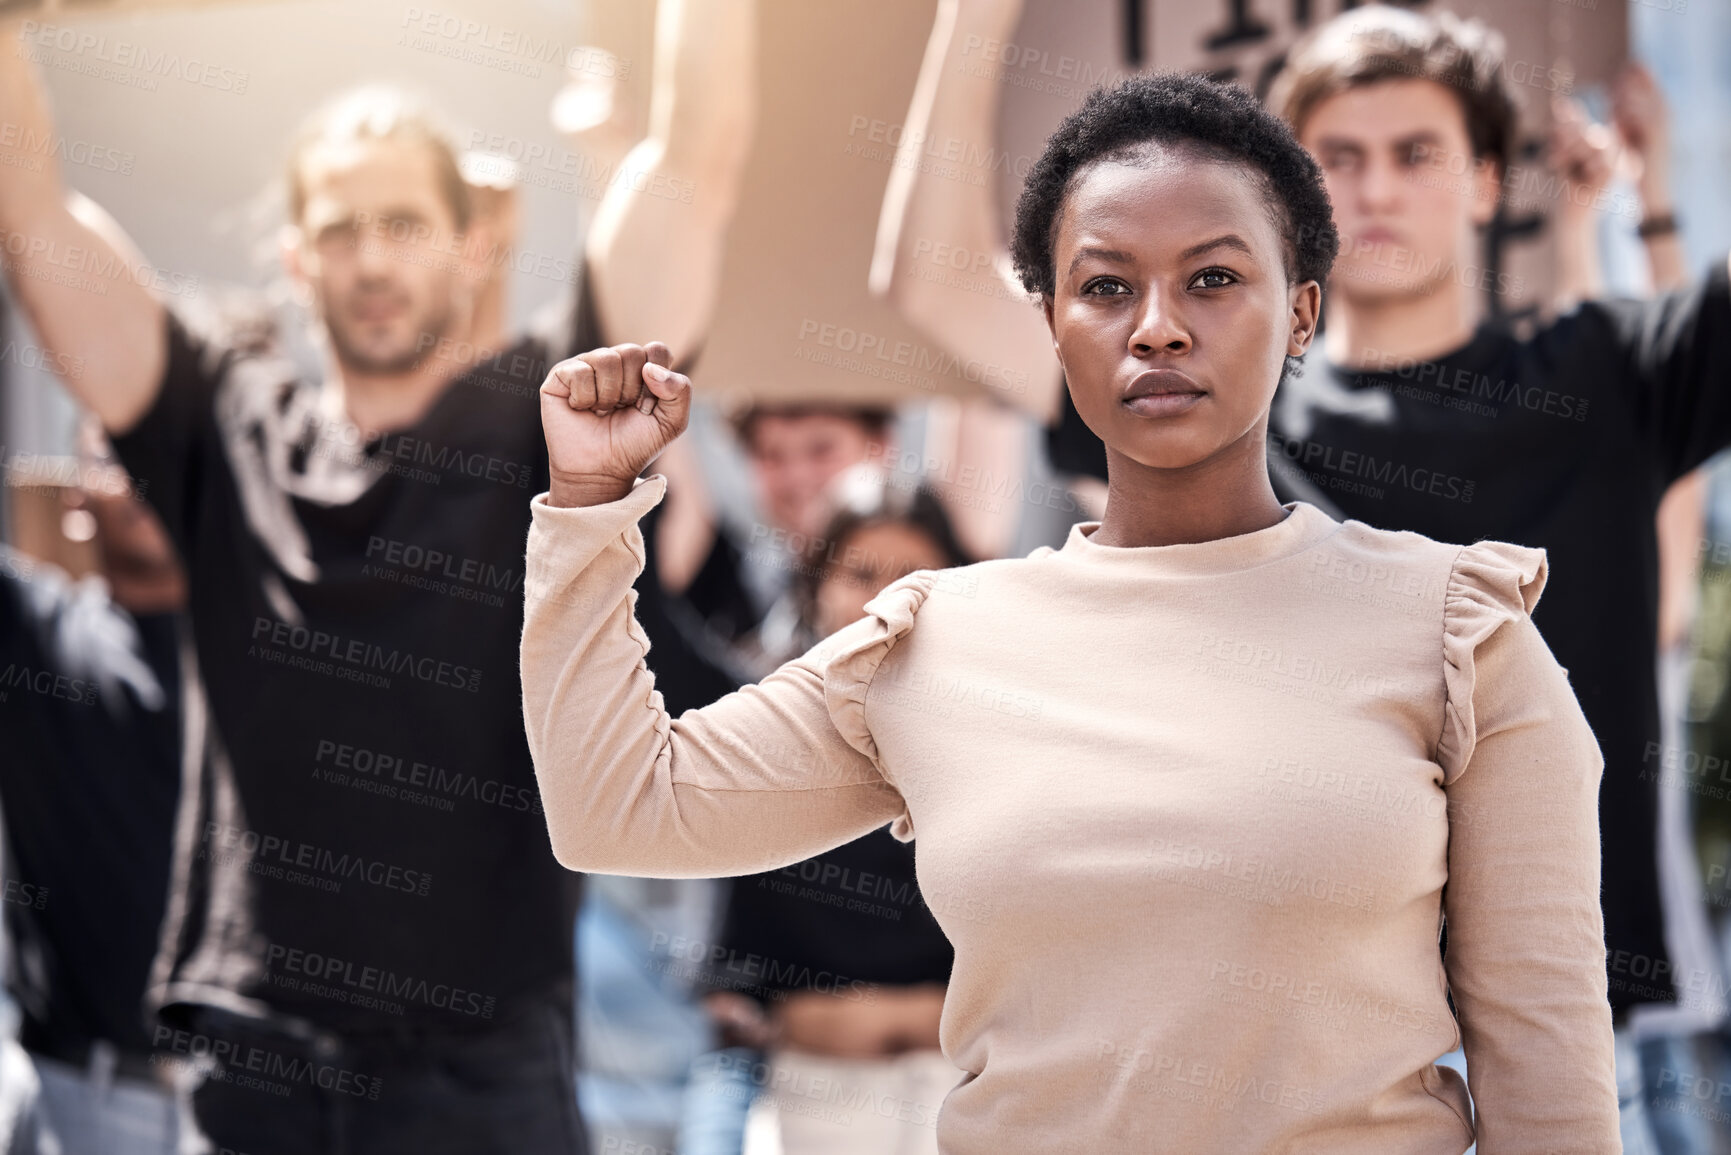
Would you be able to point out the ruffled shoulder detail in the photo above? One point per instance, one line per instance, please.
(1492, 583)
(860, 649)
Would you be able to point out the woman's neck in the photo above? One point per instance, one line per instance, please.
(1213, 500)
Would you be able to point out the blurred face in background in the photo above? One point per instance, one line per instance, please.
(377, 245)
(1408, 194)
(865, 561)
(795, 456)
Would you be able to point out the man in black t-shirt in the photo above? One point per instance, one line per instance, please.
(369, 943)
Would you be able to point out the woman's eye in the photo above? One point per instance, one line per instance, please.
(1104, 287)
(1223, 278)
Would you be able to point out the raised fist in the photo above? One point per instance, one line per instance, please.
(608, 413)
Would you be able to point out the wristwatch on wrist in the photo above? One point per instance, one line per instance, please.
(1657, 225)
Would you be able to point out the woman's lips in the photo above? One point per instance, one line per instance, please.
(1162, 393)
(1163, 404)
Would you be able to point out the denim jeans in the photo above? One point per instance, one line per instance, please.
(1634, 1079)
(1688, 1091)
(92, 1112)
(717, 1099)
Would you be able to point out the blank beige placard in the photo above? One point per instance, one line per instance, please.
(795, 319)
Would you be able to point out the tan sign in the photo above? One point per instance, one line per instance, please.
(57, 9)
(794, 318)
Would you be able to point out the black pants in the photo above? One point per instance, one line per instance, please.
(509, 1088)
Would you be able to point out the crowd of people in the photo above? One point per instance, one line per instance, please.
(1299, 796)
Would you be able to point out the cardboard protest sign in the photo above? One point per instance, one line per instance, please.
(795, 319)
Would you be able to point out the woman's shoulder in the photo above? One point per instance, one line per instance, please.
(1498, 571)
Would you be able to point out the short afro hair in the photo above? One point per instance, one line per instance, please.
(1221, 122)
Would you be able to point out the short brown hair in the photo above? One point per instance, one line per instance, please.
(1376, 43)
(376, 113)
(874, 419)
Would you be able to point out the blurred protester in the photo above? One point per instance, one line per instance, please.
(275, 492)
(1414, 413)
(743, 590)
(881, 529)
(92, 724)
(354, 552)
(855, 911)
(1688, 1042)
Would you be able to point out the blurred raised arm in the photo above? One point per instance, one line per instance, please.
(1644, 122)
(677, 188)
(100, 326)
(983, 315)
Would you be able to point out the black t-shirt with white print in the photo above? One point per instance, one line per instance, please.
(366, 846)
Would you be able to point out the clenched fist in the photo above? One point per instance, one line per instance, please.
(606, 414)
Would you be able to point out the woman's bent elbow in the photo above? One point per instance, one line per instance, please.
(570, 854)
(578, 849)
